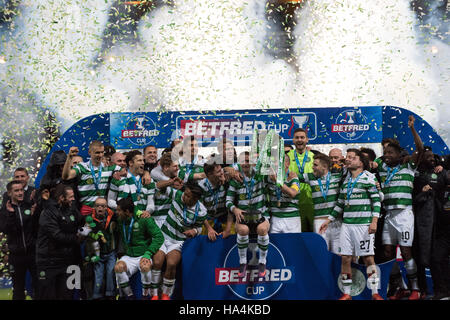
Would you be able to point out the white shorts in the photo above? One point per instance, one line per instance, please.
(355, 240)
(132, 264)
(170, 245)
(285, 225)
(398, 227)
(332, 235)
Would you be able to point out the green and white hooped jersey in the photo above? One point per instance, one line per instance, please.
(214, 199)
(187, 170)
(288, 206)
(323, 206)
(397, 188)
(237, 196)
(162, 201)
(86, 185)
(126, 187)
(364, 202)
(181, 218)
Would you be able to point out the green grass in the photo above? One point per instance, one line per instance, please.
(5, 294)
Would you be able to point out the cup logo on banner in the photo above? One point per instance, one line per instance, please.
(351, 124)
(140, 130)
(251, 287)
(307, 121)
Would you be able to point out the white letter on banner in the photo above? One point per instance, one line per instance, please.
(223, 276)
(286, 275)
(189, 128)
(74, 280)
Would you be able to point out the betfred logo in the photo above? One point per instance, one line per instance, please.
(351, 124)
(251, 287)
(140, 131)
(242, 127)
(225, 276)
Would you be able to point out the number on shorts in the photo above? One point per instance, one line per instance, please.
(405, 236)
(362, 245)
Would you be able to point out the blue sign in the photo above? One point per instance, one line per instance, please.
(299, 267)
(324, 126)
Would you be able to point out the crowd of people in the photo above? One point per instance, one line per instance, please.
(119, 214)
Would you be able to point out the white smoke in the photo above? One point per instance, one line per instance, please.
(203, 55)
(363, 53)
(50, 53)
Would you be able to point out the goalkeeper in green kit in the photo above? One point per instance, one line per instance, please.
(141, 238)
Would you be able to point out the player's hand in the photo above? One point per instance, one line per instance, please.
(73, 151)
(32, 195)
(226, 233)
(145, 214)
(324, 226)
(146, 179)
(33, 208)
(190, 233)
(378, 185)
(374, 165)
(292, 175)
(438, 169)
(177, 183)
(212, 234)
(239, 214)
(45, 194)
(427, 188)
(145, 264)
(373, 227)
(233, 174)
(9, 206)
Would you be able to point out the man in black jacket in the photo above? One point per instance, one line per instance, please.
(428, 195)
(19, 223)
(21, 175)
(58, 244)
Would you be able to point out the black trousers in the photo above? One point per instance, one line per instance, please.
(19, 265)
(440, 270)
(52, 283)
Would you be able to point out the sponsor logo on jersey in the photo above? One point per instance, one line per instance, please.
(250, 287)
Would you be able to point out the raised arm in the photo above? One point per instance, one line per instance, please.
(69, 173)
(417, 140)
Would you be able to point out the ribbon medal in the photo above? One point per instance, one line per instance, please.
(390, 174)
(96, 178)
(351, 184)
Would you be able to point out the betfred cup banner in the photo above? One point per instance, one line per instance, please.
(299, 267)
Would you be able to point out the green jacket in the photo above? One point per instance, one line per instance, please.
(145, 240)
